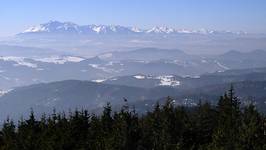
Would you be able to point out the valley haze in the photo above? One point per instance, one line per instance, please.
(102, 63)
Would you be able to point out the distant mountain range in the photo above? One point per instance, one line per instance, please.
(72, 28)
(92, 40)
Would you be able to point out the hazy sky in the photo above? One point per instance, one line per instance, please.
(245, 15)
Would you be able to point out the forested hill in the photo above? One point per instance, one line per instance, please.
(226, 126)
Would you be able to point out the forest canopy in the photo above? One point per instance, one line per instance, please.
(225, 126)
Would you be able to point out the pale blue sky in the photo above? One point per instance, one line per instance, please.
(245, 15)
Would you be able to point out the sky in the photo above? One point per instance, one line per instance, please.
(234, 15)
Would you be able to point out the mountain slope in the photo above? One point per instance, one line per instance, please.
(72, 94)
(242, 60)
(141, 90)
(208, 79)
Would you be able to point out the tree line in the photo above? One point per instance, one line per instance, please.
(226, 126)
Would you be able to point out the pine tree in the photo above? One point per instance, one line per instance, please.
(29, 133)
(95, 139)
(172, 124)
(8, 136)
(229, 122)
(107, 126)
(204, 124)
(251, 135)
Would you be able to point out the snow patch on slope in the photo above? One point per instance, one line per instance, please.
(3, 92)
(99, 80)
(165, 80)
(168, 80)
(60, 60)
(20, 61)
(139, 76)
(221, 65)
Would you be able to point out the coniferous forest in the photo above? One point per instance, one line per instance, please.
(226, 126)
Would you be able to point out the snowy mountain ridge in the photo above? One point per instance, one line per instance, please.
(69, 27)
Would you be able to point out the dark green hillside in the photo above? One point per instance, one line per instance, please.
(225, 126)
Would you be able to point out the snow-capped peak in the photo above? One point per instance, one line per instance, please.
(53, 26)
(205, 31)
(38, 28)
(185, 31)
(162, 29)
(98, 29)
(136, 29)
